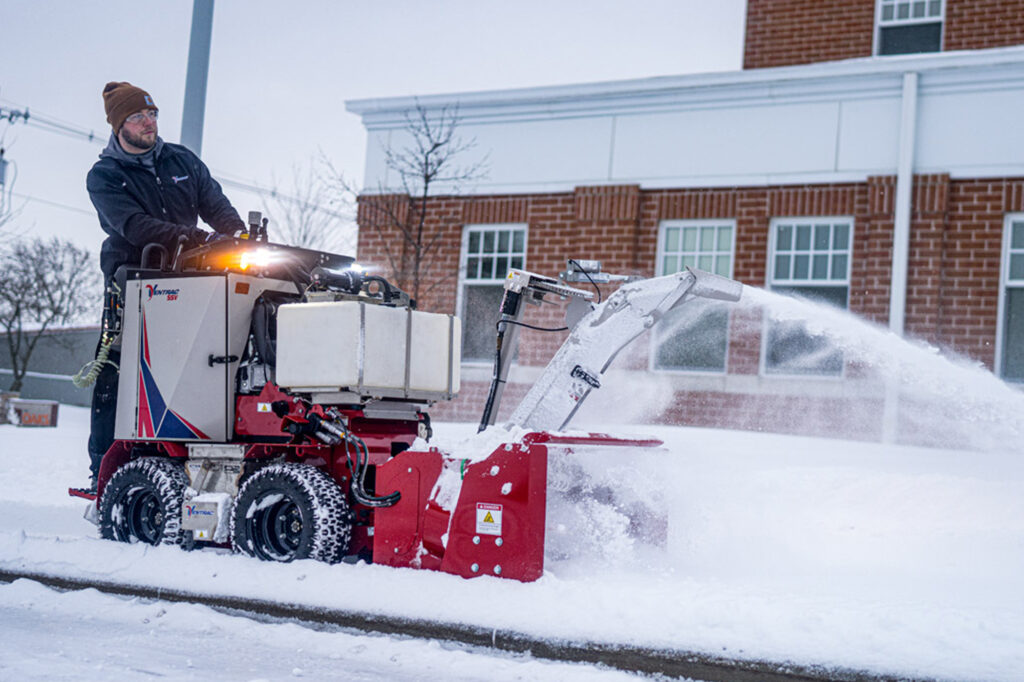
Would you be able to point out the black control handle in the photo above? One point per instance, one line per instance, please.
(220, 359)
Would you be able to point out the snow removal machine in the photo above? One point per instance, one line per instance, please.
(273, 399)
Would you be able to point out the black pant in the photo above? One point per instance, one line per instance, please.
(104, 412)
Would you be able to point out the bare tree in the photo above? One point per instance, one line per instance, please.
(432, 158)
(43, 284)
(302, 214)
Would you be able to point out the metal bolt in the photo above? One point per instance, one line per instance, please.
(497, 570)
(410, 470)
(498, 542)
(508, 447)
(476, 539)
(475, 567)
(396, 550)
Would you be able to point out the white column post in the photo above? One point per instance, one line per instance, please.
(901, 241)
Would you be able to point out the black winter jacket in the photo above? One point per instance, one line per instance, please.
(138, 205)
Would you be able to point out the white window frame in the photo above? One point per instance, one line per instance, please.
(881, 23)
(659, 270)
(464, 257)
(771, 282)
(1005, 283)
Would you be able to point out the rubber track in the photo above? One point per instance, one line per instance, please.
(666, 662)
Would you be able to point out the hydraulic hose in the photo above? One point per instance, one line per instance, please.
(87, 375)
(333, 433)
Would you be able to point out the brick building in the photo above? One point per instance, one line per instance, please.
(868, 155)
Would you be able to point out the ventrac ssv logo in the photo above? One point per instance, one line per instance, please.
(155, 290)
(195, 510)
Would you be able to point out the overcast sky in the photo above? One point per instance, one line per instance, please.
(280, 74)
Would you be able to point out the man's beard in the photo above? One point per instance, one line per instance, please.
(138, 141)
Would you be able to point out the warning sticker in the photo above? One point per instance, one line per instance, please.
(263, 407)
(488, 518)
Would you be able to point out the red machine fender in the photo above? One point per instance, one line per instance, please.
(470, 519)
(121, 452)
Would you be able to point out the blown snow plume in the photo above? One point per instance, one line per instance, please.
(939, 398)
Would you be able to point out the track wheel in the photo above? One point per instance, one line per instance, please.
(142, 502)
(291, 511)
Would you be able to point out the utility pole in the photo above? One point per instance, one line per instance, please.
(195, 78)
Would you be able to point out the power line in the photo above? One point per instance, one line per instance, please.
(55, 125)
(57, 204)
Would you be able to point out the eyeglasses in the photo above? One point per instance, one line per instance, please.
(142, 116)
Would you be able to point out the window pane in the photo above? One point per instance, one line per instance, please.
(792, 349)
(723, 266)
(803, 237)
(725, 239)
(934, 8)
(903, 12)
(672, 239)
(1017, 236)
(706, 263)
(487, 268)
(503, 241)
(516, 262)
(488, 242)
(821, 233)
(1017, 266)
(1013, 336)
(472, 268)
(887, 13)
(841, 237)
(801, 267)
(501, 266)
(910, 39)
(707, 239)
(690, 239)
(839, 262)
(698, 338)
(480, 312)
(687, 262)
(519, 241)
(820, 267)
(782, 267)
(785, 242)
(669, 265)
(474, 242)
(919, 8)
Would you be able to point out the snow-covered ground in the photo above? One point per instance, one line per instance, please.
(879, 557)
(86, 635)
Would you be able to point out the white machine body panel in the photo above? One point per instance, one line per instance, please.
(368, 350)
(182, 340)
(172, 325)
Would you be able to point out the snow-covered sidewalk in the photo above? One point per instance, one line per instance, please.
(890, 559)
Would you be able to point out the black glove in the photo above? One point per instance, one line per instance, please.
(218, 236)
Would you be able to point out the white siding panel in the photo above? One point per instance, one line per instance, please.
(545, 151)
(869, 136)
(970, 129)
(516, 152)
(798, 138)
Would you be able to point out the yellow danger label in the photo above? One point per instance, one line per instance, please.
(488, 518)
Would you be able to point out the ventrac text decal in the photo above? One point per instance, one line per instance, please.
(155, 290)
(194, 511)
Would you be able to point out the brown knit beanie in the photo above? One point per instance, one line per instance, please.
(121, 100)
